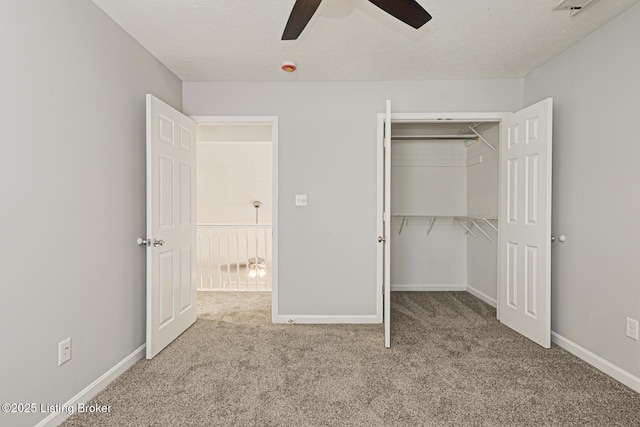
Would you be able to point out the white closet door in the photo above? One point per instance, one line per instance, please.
(525, 222)
(171, 224)
(386, 241)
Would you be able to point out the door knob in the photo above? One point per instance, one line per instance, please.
(158, 242)
(143, 242)
(381, 239)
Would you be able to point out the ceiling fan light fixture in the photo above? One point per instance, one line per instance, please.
(289, 66)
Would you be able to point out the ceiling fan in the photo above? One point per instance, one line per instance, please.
(408, 11)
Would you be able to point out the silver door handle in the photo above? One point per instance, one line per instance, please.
(158, 242)
(381, 239)
(143, 242)
(561, 238)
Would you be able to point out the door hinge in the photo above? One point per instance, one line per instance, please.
(384, 142)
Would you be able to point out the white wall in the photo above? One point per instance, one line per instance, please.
(428, 177)
(73, 196)
(234, 169)
(596, 273)
(482, 201)
(434, 262)
(230, 177)
(327, 149)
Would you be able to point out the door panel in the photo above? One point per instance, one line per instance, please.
(525, 222)
(171, 224)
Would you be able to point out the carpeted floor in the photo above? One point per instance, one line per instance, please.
(451, 364)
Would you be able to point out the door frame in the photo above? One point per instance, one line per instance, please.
(273, 121)
(495, 117)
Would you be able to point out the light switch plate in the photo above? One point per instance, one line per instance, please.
(632, 328)
(301, 200)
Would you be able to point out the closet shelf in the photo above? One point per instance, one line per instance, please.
(441, 163)
(474, 136)
(467, 222)
(465, 137)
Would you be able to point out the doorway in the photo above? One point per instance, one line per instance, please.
(503, 207)
(236, 204)
(171, 235)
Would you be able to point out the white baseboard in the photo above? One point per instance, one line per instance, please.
(481, 295)
(327, 319)
(232, 290)
(56, 418)
(427, 288)
(597, 362)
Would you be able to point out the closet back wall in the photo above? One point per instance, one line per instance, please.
(427, 178)
(327, 150)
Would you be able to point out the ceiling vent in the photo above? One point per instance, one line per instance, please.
(574, 6)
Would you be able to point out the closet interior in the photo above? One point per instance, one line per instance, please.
(444, 207)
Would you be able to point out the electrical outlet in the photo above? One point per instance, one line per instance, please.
(301, 200)
(64, 351)
(632, 328)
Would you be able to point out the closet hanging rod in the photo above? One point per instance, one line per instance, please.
(421, 137)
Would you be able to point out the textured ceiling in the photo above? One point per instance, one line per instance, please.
(231, 40)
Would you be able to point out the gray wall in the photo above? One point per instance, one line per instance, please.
(596, 273)
(327, 150)
(72, 190)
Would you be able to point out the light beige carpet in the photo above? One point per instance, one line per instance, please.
(451, 364)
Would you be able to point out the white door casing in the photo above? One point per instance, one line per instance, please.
(524, 241)
(171, 224)
(383, 270)
(386, 241)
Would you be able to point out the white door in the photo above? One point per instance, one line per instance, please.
(171, 224)
(386, 226)
(525, 222)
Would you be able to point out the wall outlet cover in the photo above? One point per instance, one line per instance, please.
(64, 351)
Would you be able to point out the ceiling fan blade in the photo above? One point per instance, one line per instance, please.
(301, 13)
(408, 11)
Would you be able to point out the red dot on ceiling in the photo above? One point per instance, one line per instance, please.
(289, 67)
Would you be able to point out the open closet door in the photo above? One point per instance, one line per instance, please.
(171, 224)
(385, 239)
(525, 222)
